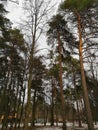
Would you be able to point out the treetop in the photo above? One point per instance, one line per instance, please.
(77, 5)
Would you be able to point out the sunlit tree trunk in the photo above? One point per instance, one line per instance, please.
(84, 86)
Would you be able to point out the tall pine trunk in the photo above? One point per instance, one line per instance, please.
(61, 82)
(84, 86)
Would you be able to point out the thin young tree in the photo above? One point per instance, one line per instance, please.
(36, 13)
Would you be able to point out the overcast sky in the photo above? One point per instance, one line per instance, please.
(16, 15)
(16, 12)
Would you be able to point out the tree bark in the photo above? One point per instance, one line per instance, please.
(52, 103)
(84, 86)
(34, 109)
(77, 104)
(30, 74)
(60, 81)
(28, 105)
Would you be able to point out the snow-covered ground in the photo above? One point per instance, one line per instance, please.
(40, 126)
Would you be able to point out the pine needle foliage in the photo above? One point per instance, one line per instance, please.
(78, 5)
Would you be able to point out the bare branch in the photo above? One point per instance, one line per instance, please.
(16, 1)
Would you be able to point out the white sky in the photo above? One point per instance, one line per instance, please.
(16, 15)
(16, 12)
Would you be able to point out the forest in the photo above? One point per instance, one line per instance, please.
(59, 86)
